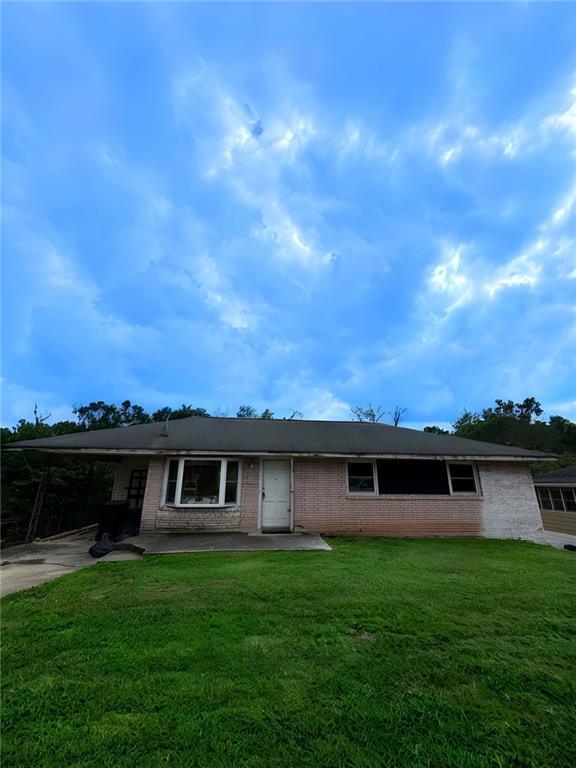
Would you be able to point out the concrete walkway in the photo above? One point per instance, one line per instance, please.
(559, 539)
(31, 564)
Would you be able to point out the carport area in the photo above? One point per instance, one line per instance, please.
(28, 565)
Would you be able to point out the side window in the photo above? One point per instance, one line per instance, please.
(231, 492)
(556, 496)
(462, 478)
(569, 495)
(544, 497)
(171, 482)
(361, 477)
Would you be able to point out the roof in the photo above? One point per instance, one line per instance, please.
(564, 476)
(276, 436)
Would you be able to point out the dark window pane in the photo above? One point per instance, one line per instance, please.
(462, 476)
(556, 495)
(463, 485)
(361, 477)
(231, 493)
(200, 482)
(171, 484)
(461, 471)
(412, 476)
(545, 502)
(569, 499)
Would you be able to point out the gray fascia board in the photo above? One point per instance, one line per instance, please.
(192, 452)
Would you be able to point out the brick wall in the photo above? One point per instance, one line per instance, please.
(152, 495)
(159, 517)
(510, 507)
(322, 504)
(506, 509)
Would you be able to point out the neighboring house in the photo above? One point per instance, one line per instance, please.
(330, 477)
(557, 497)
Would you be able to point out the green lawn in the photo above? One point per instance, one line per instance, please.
(380, 653)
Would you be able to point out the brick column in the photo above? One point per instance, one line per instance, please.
(152, 495)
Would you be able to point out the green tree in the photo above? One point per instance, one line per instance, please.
(368, 414)
(101, 415)
(249, 412)
(170, 414)
(517, 424)
(246, 412)
(76, 488)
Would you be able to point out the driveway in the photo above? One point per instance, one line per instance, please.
(31, 564)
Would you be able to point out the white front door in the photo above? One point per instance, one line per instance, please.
(276, 495)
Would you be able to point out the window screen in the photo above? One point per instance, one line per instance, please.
(412, 476)
(361, 477)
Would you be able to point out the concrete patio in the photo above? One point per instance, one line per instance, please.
(28, 565)
(229, 541)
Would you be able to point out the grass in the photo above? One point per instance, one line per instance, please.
(380, 653)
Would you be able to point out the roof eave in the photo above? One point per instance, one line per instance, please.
(311, 454)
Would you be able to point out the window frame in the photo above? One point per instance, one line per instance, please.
(376, 491)
(569, 488)
(543, 495)
(362, 494)
(472, 464)
(221, 489)
(540, 489)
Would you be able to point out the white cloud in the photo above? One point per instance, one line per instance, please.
(448, 278)
(231, 309)
(360, 141)
(564, 120)
(251, 155)
(18, 403)
(523, 270)
(449, 155)
(323, 405)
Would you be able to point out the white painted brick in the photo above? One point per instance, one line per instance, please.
(510, 508)
(122, 476)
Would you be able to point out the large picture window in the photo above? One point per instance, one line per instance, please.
(201, 482)
(413, 476)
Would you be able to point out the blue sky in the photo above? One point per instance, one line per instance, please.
(296, 206)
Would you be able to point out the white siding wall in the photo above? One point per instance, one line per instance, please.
(509, 508)
(122, 478)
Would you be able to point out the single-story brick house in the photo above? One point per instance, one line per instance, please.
(330, 477)
(556, 493)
